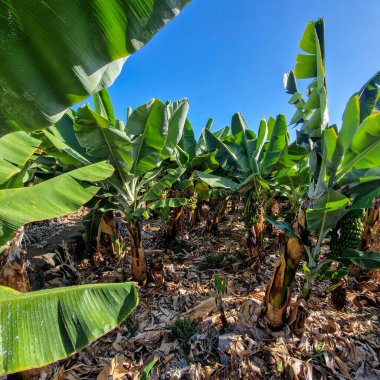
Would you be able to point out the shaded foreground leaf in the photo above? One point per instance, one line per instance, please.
(56, 53)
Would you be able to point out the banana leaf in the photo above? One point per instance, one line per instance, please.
(42, 327)
(15, 150)
(55, 197)
(56, 53)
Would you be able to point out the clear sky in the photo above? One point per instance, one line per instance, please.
(227, 56)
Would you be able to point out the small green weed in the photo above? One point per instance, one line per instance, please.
(212, 261)
(183, 329)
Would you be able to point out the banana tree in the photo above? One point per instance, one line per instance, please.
(55, 54)
(250, 164)
(137, 151)
(194, 155)
(30, 320)
(342, 175)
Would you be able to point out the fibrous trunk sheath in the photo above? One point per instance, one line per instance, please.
(279, 289)
(13, 273)
(255, 238)
(139, 269)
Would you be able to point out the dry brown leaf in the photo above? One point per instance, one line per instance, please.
(113, 370)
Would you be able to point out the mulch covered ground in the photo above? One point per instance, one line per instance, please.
(336, 345)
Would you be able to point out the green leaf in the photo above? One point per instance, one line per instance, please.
(285, 227)
(164, 183)
(290, 83)
(188, 142)
(326, 211)
(147, 369)
(55, 197)
(364, 150)
(277, 143)
(15, 150)
(60, 52)
(238, 128)
(306, 66)
(176, 116)
(102, 141)
(42, 327)
(350, 122)
(369, 96)
(171, 202)
(367, 259)
(201, 144)
(216, 181)
(103, 106)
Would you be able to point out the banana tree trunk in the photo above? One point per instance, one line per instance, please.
(139, 268)
(195, 214)
(279, 289)
(172, 225)
(13, 273)
(108, 239)
(255, 238)
(219, 214)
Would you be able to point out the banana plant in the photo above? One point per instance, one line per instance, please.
(30, 320)
(343, 175)
(137, 151)
(250, 165)
(55, 54)
(195, 156)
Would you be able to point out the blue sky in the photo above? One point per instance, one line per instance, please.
(229, 56)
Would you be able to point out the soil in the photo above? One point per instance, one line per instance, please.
(336, 344)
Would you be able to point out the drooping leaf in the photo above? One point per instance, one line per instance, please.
(56, 53)
(285, 227)
(326, 211)
(55, 197)
(164, 183)
(367, 259)
(42, 327)
(15, 150)
(171, 202)
(229, 155)
(217, 181)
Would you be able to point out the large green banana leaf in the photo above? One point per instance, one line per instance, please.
(216, 181)
(188, 143)
(326, 211)
(150, 136)
(364, 149)
(277, 143)
(102, 141)
(55, 197)
(230, 155)
(55, 53)
(157, 128)
(358, 107)
(164, 183)
(310, 65)
(15, 150)
(41, 327)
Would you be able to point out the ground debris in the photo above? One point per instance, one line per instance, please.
(335, 345)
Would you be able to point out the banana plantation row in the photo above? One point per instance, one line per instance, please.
(152, 164)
